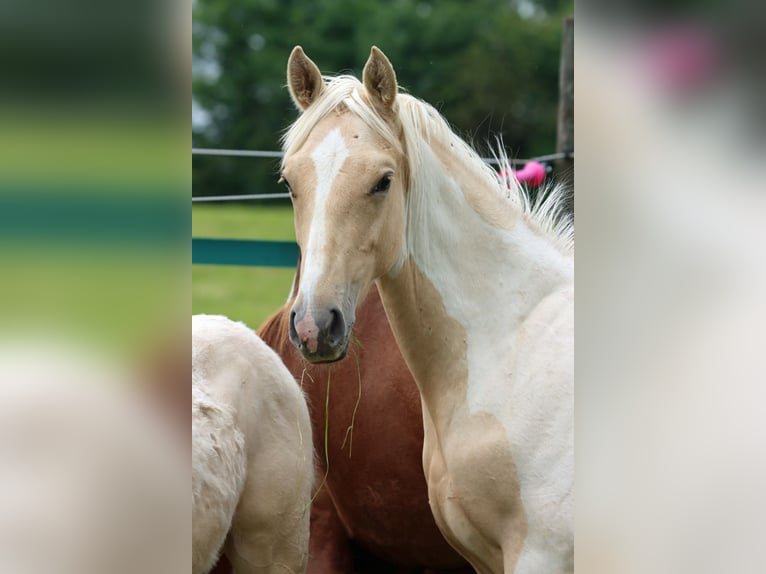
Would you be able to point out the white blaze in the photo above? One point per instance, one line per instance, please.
(328, 158)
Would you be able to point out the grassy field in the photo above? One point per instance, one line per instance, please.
(248, 294)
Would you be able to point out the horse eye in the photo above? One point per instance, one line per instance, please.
(287, 185)
(383, 185)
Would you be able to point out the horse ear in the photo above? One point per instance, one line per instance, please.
(304, 79)
(380, 80)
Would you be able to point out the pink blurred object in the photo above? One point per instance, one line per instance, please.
(682, 58)
(533, 173)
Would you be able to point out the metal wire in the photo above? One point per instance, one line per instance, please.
(208, 198)
(278, 154)
(235, 152)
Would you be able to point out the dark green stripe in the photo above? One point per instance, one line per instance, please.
(244, 252)
(50, 218)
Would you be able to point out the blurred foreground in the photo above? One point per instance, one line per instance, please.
(94, 288)
(94, 473)
(671, 226)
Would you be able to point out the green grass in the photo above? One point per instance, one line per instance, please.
(248, 294)
(243, 221)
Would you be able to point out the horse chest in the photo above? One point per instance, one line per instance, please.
(473, 490)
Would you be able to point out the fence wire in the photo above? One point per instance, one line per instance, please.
(278, 154)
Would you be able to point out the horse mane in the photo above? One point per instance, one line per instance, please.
(548, 211)
(275, 329)
(422, 124)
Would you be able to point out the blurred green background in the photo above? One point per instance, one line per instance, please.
(491, 67)
(94, 176)
(248, 294)
(94, 229)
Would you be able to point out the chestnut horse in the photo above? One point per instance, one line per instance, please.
(479, 289)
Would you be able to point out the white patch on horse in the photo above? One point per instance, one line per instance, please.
(328, 158)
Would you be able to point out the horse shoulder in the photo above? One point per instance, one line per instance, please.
(541, 421)
(540, 371)
(540, 364)
(243, 371)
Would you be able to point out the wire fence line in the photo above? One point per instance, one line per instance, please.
(244, 197)
(278, 154)
(235, 152)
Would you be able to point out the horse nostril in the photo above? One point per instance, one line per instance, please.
(337, 330)
(291, 326)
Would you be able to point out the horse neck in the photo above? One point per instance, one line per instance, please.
(472, 270)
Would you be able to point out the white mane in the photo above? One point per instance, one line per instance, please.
(422, 125)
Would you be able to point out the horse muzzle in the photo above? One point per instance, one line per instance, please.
(320, 334)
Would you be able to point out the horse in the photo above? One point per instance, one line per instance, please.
(478, 285)
(371, 513)
(252, 453)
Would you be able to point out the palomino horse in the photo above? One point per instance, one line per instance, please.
(371, 514)
(479, 291)
(252, 453)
